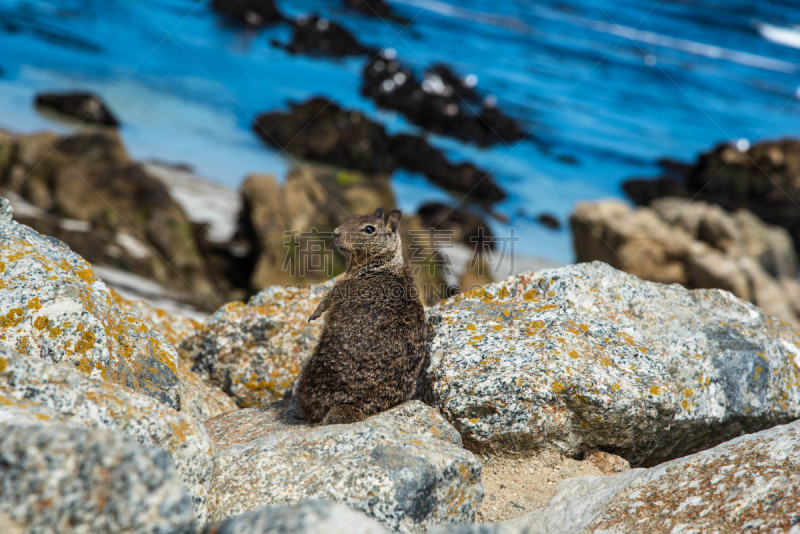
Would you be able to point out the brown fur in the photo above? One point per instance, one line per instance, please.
(373, 346)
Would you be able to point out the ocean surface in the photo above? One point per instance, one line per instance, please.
(602, 87)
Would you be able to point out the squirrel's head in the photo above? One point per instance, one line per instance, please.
(370, 239)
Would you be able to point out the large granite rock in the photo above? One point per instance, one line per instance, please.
(54, 307)
(54, 478)
(748, 484)
(317, 35)
(199, 398)
(736, 368)
(694, 244)
(254, 352)
(516, 368)
(400, 467)
(307, 517)
(54, 393)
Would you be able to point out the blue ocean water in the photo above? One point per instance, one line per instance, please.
(603, 87)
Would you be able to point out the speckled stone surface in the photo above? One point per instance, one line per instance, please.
(200, 399)
(52, 393)
(53, 306)
(307, 517)
(749, 484)
(399, 473)
(54, 478)
(515, 369)
(255, 351)
(6, 211)
(738, 370)
(483, 528)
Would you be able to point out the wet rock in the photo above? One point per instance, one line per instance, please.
(86, 107)
(54, 478)
(735, 367)
(643, 191)
(53, 306)
(459, 225)
(417, 155)
(515, 368)
(254, 352)
(307, 517)
(85, 190)
(749, 483)
(435, 104)
(399, 473)
(763, 178)
(320, 130)
(255, 13)
(694, 244)
(548, 221)
(376, 8)
(199, 398)
(321, 36)
(54, 393)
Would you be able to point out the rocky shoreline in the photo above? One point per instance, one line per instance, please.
(146, 420)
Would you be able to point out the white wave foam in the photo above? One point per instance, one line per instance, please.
(776, 34)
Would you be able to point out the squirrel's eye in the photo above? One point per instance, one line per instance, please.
(369, 229)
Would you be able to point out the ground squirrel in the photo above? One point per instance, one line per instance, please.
(373, 345)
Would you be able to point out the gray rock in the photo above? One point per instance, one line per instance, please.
(6, 210)
(391, 466)
(55, 478)
(738, 369)
(517, 369)
(53, 306)
(307, 517)
(745, 485)
(254, 352)
(484, 528)
(49, 392)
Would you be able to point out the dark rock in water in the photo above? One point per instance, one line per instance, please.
(435, 104)
(320, 36)
(86, 107)
(319, 129)
(255, 13)
(465, 227)
(549, 221)
(764, 179)
(417, 155)
(464, 88)
(375, 8)
(643, 191)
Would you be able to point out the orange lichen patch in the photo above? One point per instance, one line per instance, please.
(655, 390)
(41, 322)
(574, 354)
(497, 327)
(506, 313)
(546, 307)
(503, 293)
(583, 327)
(2, 267)
(34, 304)
(687, 392)
(478, 292)
(3, 364)
(42, 416)
(14, 317)
(84, 365)
(471, 327)
(606, 362)
(474, 420)
(86, 341)
(616, 387)
(529, 296)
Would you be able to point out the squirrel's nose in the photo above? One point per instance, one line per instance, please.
(336, 232)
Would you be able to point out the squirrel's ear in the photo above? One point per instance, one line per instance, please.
(379, 213)
(393, 219)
